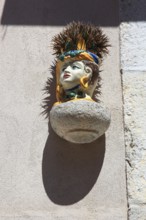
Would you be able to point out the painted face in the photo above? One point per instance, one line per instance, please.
(71, 74)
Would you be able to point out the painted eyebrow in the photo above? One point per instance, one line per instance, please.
(65, 65)
(70, 63)
(76, 64)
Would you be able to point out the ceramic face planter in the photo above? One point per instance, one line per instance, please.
(77, 80)
(76, 116)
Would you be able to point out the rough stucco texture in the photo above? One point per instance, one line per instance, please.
(68, 171)
(134, 85)
(86, 120)
(133, 46)
(133, 56)
(42, 177)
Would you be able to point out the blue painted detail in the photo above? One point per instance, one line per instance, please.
(71, 53)
(74, 53)
(94, 56)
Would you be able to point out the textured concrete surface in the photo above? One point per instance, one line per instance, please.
(42, 176)
(80, 121)
(133, 56)
(134, 85)
(133, 47)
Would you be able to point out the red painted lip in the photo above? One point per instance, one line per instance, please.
(66, 75)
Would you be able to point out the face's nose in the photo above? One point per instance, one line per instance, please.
(67, 69)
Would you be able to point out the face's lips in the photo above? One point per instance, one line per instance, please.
(66, 75)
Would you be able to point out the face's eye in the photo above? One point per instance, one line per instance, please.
(75, 67)
(63, 68)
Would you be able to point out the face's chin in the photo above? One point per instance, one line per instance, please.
(68, 83)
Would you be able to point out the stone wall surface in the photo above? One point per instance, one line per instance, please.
(133, 68)
(43, 177)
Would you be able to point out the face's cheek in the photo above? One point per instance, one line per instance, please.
(65, 80)
(61, 76)
(76, 75)
(80, 73)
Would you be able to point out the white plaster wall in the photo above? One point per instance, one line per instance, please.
(26, 147)
(133, 66)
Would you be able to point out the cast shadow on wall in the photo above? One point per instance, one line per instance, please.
(69, 170)
(54, 12)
